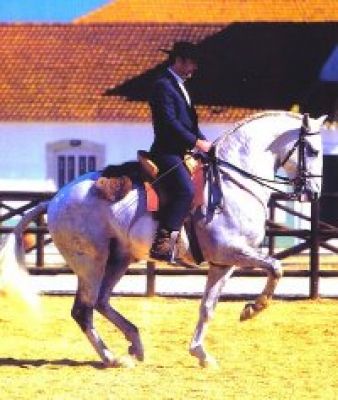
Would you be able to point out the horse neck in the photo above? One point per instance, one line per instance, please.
(250, 146)
(248, 152)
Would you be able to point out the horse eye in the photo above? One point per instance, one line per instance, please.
(312, 152)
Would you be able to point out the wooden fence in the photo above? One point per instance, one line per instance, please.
(313, 238)
(15, 204)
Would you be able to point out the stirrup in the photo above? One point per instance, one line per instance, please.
(174, 246)
(168, 254)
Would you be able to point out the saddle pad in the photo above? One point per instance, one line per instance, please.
(197, 178)
(115, 188)
(152, 197)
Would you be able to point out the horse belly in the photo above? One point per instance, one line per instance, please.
(141, 236)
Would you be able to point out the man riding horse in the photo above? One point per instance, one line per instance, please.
(176, 132)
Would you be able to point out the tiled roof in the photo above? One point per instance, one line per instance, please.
(214, 11)
(60, 72)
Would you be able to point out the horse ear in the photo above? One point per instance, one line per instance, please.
(321, 120)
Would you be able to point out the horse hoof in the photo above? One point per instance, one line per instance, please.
(204, 359)
(209, 362)
(125, 362)
(121, 362)
(198, 352)
(248, 312)
(137, 352)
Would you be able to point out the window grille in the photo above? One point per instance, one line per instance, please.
(66, 161)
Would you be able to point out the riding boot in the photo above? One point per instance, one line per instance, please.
(164, 245)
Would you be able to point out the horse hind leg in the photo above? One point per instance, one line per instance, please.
(217, 277)
(89, 283)
(117, 265)
(82, 313)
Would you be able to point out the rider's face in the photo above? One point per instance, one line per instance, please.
(185, 67)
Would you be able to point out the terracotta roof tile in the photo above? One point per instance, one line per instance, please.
(214, 11)
(60, 72)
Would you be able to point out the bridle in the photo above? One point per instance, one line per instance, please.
(214, 168)
(299, 182)
(301, 145)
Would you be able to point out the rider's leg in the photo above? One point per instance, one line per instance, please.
(180, 192)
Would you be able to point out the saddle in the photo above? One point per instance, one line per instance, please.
(116, 181)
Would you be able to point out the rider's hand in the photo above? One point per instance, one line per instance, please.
(203, 145)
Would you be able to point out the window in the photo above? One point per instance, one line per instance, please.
(68, 159)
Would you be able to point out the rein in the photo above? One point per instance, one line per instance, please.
(299, 181)
(258, 179)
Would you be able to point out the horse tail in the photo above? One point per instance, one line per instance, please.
(14, 278)
(25, 220)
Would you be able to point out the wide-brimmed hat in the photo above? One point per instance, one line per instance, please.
(184, 50)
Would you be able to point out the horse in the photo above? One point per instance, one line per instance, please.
(98, 238)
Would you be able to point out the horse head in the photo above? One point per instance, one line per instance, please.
(300, 154)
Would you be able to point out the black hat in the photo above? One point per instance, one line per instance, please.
(184, 50)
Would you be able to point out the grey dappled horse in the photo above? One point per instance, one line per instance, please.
(98, 239)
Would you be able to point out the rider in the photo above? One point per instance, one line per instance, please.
(176, 131)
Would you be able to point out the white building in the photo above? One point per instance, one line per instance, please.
(73, 97)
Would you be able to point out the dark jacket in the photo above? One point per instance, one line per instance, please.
(175, 122)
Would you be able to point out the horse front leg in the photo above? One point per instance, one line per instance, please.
(274, 271)
(217, 277)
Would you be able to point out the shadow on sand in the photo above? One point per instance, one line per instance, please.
(64, 362)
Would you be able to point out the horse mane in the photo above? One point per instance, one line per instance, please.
(239, 143)
(254, 117)
(129, 168)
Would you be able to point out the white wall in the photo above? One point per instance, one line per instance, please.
(23, 146)
(330, 141)
(23, 164)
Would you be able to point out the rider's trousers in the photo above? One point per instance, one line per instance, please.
(179, 190)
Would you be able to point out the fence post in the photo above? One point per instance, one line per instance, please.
(314, 250)
(150, 278)
(40, 242)
(272, 216)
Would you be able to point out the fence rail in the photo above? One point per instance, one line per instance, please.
(314, 237)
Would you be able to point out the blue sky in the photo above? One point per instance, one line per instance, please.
(46, 10)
